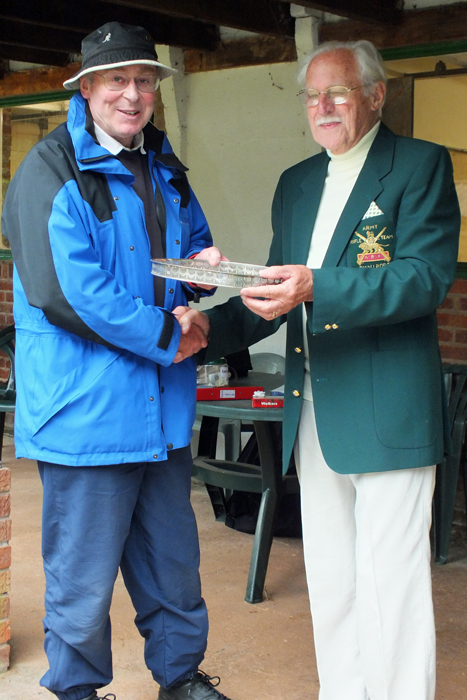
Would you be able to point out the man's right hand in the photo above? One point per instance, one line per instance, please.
(195, 331)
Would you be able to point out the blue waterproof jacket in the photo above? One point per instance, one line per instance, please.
(94, 373)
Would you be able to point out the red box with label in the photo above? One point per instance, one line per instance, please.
(268, 402)
(224, 393)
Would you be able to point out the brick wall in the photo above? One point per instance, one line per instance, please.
(452, 333)
(6, 319)
(5, 561)
(6, 293)
(452, 323)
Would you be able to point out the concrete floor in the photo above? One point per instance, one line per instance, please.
(261, 652)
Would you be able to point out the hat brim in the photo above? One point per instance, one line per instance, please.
(164, 71)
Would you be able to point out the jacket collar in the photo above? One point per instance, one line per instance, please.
(154, 140)
(305, 208)
(368, 186)
(90, 155)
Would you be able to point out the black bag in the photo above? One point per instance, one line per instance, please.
(239, 362)
(243, 507)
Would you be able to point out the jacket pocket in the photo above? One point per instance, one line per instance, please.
(407, 397)
(69, 387)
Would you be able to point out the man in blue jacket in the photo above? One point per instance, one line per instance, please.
(100, 404)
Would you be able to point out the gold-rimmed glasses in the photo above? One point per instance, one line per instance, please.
(338, 94)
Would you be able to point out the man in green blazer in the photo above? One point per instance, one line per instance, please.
(365, 242)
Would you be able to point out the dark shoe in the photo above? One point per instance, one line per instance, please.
(95, 696)
(199, 687)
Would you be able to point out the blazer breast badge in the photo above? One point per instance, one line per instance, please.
(372, 244)
(372, 250)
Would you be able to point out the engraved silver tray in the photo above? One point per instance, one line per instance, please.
(226, 274)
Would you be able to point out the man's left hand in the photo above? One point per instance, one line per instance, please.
(277, 299)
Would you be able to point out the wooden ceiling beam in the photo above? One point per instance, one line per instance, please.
(61, 15)
(261, 16)
(41, 56)
(241, 52)
(373, 11)
(33, 36)
(36, 80)
(427, 26)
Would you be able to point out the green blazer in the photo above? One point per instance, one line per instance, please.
(371, 328)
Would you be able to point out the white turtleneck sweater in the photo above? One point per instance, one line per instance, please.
(343, 171)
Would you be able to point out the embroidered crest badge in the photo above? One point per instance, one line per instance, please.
(373, 250)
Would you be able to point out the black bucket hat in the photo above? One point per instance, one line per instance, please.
(114, 45)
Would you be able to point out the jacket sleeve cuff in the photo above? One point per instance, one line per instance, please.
(168, 341)
(167, 331)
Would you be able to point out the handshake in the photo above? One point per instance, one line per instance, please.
(270, 302)
(195, 324)
(195, 331)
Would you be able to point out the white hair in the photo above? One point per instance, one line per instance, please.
(368, 58)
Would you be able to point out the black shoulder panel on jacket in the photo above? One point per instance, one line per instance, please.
(183, 189)
(153, 139)
(93, 186)
(26, 213)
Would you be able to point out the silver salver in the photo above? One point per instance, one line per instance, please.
(226, 274)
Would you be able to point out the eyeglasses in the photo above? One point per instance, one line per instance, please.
(120, 81)
(338, 94)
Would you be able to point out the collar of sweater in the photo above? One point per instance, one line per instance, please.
(356, 154)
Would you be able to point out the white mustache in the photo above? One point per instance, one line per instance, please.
(328, 120)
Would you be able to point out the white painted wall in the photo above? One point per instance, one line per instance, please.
(244, 127)
(237, 131)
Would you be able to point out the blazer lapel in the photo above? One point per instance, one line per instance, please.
(366, 189)
(305, 208)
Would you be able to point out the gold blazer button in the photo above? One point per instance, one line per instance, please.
(296, 392)
(298, 350)
(327, 327)
(335, 326)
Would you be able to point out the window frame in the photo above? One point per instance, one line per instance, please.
(19, 101)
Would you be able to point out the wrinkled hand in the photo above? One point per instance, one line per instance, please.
(213, 256)
(195, 332)
(295, 288)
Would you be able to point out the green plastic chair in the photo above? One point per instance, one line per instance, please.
(220, 476)
(447, 473)
(7, 387)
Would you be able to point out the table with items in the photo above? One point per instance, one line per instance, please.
(226, 475)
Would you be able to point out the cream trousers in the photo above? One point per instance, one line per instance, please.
(367, 557)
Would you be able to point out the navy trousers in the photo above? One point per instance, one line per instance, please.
(137, 517)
